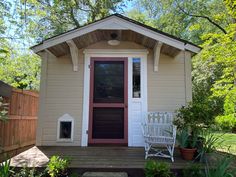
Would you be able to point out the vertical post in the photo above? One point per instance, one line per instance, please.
(188, 76)
(42, 97)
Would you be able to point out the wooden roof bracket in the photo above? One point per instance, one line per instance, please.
(157, 51)
(74, 52)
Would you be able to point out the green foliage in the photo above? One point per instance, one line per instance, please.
(193, 170)
(55, 17)
(172, 16)
(182, 137)
(193, 115)
(3, 110)
(222, 168)
(27, 172)
(185, 140)
(57, 166)
(157, 169)
(227, 122)
(209, 144)
(210, 24)
(5, 170)
(211, 141)
(231, 4)
(22, 71)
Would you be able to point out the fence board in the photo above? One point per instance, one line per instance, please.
(20, 129)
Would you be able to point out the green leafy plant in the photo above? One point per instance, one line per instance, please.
(182, 138)
(5, 170)
(157, 169)
(27, 172)
(209, 144)
(222, 168)
(186, 140)
(57, 166)
(193, 170)
(192, 116)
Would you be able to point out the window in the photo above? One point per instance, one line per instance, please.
(136, 78)
(65, 128)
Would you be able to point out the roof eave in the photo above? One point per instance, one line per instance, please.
(171, 40)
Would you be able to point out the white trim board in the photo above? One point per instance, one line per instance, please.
(65, 118)
(129, 53)
(111, 23)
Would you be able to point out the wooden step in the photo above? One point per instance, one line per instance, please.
(105, 174)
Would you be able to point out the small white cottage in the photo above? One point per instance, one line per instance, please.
(99, 81)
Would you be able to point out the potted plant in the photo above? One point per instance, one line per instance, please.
(187, 144)
(192, 119)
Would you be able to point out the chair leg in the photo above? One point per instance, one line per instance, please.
(147, 148)
(170, 148)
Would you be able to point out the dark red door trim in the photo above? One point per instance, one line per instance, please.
(124, 105)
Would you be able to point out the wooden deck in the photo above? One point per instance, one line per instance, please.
(91, 157)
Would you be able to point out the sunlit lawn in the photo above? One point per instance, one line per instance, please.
(229, 142)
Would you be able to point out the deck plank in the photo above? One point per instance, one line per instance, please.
(91, 157)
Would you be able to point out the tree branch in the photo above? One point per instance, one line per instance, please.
(205, 17)
(73, 17)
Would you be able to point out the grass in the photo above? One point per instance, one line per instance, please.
(229, 142)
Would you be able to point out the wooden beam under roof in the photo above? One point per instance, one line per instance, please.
(157, 51)
(74, 52)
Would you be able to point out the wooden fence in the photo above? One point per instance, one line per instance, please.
(20, 130)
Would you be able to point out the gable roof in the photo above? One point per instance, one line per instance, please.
(118, 22)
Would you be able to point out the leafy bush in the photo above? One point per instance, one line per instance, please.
(193, 115)
(193, 170)
(28, 172)
(157, 169)
(57, 166)
(227, 122)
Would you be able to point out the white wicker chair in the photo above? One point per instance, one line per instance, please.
(158, 130)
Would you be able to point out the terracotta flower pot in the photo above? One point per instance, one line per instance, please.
(187, 154)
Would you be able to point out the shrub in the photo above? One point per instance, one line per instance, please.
(193, 115)
(28, 172)
(227, 122)
(193, 170)
(57, 166)
(157, 169)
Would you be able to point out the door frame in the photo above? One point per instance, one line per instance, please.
(123, 141)
(130, 53)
